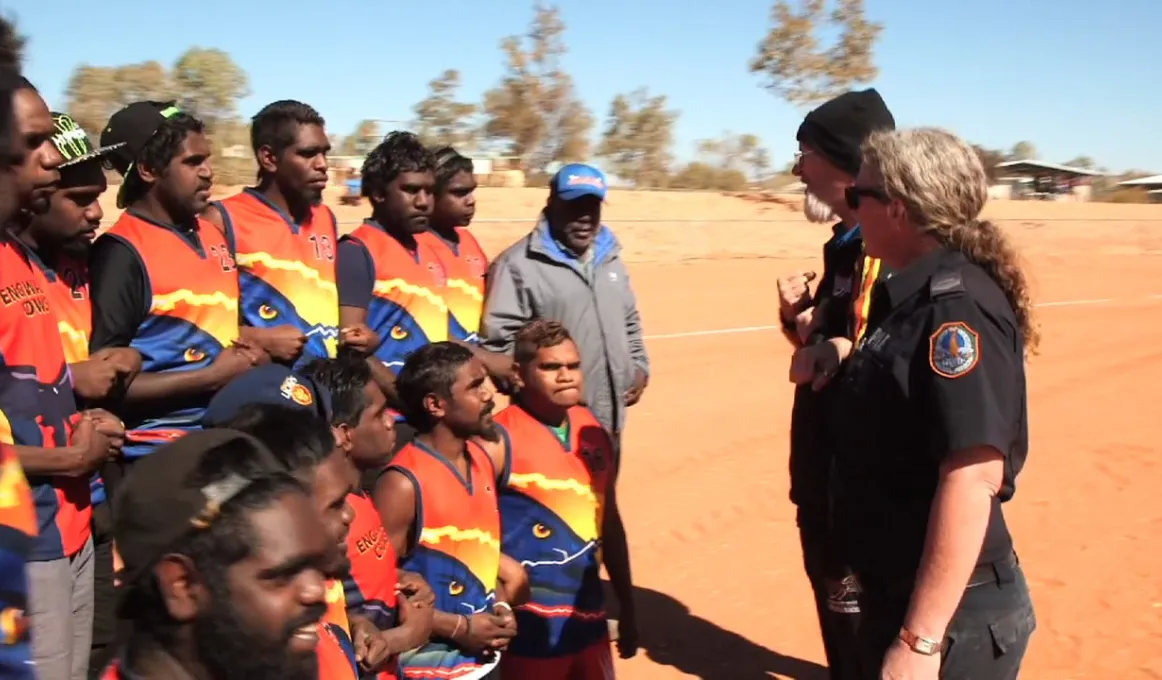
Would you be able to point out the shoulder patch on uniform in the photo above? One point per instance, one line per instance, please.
(954, 350)
(946, 282)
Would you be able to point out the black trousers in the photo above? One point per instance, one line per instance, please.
(988, 634)
(836, 596)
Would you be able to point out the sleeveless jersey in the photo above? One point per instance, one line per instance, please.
(465, 264)
(68, 294)
(192, 316)
(457, 549)
(407, 307)
(551, 508)
(17, 534)
(37, 407)
(286, 271)
(335, 651)
(370, 585)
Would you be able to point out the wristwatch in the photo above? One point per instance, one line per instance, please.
(920, 645)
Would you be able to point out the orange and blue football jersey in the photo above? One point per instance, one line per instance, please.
(68, 295)
(37, 406)
(192, 316)
(457, 549)
(17, 535)
(286, 270)
(466, 265)
(335, 651)
(370, 584)
(407, 308)
(551, 507)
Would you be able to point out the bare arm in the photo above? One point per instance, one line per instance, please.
(152, 387)
(514, 582)
(615, 552)
(957, 523)
(37, 461)
(394, 497)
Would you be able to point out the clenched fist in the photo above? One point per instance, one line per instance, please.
(794, 294)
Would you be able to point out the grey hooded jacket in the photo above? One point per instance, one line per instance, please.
(537, 278)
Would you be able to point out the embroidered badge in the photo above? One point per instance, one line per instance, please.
(953, 350)
(298, 393)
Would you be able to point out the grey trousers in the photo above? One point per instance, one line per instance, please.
(60, 611)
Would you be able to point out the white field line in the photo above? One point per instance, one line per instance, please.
(756, 329)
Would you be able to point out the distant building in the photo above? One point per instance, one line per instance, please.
(1152, 185)
(1042, 180)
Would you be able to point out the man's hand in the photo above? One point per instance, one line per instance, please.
(487, 632)
(817, 364)
(88, 448)
(371, 650)
(283, 343)
(106, 372)
(415, 625)
(109, 425)
(359, 337)
(627, 633)
(901, 663)
(806, 323)
(794, 294)
(634, 394)
(413, 587)
(502, 369)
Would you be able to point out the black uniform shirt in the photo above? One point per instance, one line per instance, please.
(940, 370)
(842, 286)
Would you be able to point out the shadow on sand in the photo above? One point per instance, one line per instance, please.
(672, 636)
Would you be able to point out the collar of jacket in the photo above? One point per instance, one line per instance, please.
(605, 246)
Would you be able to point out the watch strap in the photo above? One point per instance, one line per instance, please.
(919, 644)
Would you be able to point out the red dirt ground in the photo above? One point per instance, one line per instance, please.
(704, 491)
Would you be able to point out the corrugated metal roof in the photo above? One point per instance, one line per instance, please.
(1142, 181)
(1050, 166)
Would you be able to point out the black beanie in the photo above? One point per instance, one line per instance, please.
(837, 128)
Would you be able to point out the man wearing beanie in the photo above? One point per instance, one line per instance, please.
(823, 328)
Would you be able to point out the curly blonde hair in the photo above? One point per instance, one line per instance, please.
(941, 182)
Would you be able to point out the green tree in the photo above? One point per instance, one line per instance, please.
(208, 84)
(1084, 162)
(1023, 151)
(990, 159)
(94, 93)
(736, 154)
(639, 132)
(362, 139)
(798, 69)
(534, 109)
(440, 119)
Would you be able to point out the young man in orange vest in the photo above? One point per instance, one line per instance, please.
(284, 239)
(457, 249)
(162, 280)
(559, 517)
(61, 238)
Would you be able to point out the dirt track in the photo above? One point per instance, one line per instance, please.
(704, 491)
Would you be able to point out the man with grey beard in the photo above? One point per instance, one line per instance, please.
(823, 327)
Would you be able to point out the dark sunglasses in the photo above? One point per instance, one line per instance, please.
(853, 195)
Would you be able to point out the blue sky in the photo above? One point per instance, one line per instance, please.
(1071, 76)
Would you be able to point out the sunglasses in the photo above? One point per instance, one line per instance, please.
(853, 196)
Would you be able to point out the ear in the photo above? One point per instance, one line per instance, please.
(267, 160)
(518, 380)
(181, 588)
(342, 437)
(435, 406)
(146, 174)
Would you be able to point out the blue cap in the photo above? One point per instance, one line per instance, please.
(272, 384)
(577, 179)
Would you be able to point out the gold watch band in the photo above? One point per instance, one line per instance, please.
(920, 645)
